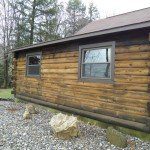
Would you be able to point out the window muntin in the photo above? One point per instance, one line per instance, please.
(97, 62)
(33, 64)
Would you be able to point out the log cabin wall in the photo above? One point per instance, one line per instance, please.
(127, 98)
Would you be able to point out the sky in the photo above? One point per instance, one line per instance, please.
(113, 7)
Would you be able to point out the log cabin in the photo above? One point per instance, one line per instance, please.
(101, 72)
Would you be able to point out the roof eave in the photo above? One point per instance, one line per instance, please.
(91, 34)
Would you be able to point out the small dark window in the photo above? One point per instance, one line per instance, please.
(97, 62)
(33, 64)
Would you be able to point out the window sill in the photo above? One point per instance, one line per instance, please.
(31, 76)
(109, 81)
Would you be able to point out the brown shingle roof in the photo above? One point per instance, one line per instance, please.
(126, 19)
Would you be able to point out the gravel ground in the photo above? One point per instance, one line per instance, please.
(36, 134)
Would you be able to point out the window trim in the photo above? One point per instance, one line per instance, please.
(83, 48)
(27, 61)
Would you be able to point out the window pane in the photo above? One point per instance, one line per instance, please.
(34, 60)
(96, 70)
(33, 70)
(86, 70)
(97, 55)
(100, 70)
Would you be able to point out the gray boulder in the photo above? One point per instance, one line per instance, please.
(116, 138)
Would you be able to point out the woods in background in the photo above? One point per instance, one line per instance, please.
(24, 22)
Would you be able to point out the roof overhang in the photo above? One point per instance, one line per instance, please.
(82, 36)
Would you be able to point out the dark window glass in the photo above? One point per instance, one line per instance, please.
(33, 70)
(33, 64)
(34, 60)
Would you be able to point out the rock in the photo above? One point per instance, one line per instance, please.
(132, 144)
(64, 126)
(31, 109)
(26, 115)
(116, 138)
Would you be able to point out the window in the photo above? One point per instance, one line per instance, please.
(97, 62)
(33, 64)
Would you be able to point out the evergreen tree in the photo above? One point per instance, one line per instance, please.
(93, 13)
(36, 21)
(76, 12)
(47, 23)
(77, 17)
(26, 22)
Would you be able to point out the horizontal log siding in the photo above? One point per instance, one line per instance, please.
(127, 98)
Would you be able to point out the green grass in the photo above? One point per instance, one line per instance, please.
(6, 93)
(142, 135)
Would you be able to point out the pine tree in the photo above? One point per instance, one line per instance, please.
(76, 12)
(77, 17)
(93, 13)
(36, 21)
(47, 24)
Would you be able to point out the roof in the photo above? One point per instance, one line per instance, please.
(121, 20)
(124, 22)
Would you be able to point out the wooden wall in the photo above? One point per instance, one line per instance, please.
(126, 98)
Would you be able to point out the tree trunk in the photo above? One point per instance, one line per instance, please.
(32, 22)
(5, 70)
